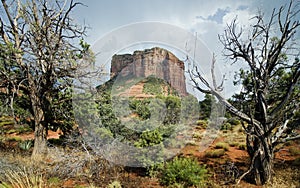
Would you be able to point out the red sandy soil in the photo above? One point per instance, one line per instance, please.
(30, 136)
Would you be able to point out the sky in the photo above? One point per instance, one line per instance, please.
(202, 18)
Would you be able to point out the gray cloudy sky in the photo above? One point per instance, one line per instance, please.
(207, 18)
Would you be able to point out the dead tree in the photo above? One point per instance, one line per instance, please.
(265, 50)
(47, 46)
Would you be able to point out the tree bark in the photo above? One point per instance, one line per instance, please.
(40, 141)
(40, 129)
(262, 155)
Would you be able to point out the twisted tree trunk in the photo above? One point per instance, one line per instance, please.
(262, 156)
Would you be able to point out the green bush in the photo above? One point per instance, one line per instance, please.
(202, 124)
(183, 171)
(149, 138)
(226, 126)
(141, 107)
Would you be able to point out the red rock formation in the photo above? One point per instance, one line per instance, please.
(156, 62)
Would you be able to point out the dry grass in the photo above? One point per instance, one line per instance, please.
(20, 171)
(285, 178)
(24, 178)
(222, 145)
(216, 153)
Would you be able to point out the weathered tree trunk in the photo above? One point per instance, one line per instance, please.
(40, 141)
(40, 129)
(261, 154)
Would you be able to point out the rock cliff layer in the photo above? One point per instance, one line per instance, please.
(156, 62)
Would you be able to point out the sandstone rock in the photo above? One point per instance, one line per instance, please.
(156, 62)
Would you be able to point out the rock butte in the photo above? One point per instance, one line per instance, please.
(156, 62)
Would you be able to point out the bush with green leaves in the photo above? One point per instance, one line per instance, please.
(149, 138)
(185, 171)
(141, 107)
(152, 148)
(226, 126)
(202, 124)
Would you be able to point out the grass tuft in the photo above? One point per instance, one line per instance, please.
(216, 153)
(222, 145)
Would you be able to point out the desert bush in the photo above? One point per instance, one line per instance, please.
(215, 153)
(197, 135)
(150, 158)
(184, 171)
(149, 138)
(202, 124)
(226, 126)
(141, 107)
(222, 145)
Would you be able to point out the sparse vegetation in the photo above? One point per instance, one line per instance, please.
(222, 145)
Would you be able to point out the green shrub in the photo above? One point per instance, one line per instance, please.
(216, 153)
(183, 171)
(149, 138)
(141, 107)
(150, 158)
(197, 135)
(202, 124)
(222, 145)
(226, 126)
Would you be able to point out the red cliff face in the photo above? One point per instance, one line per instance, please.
(156, 62)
